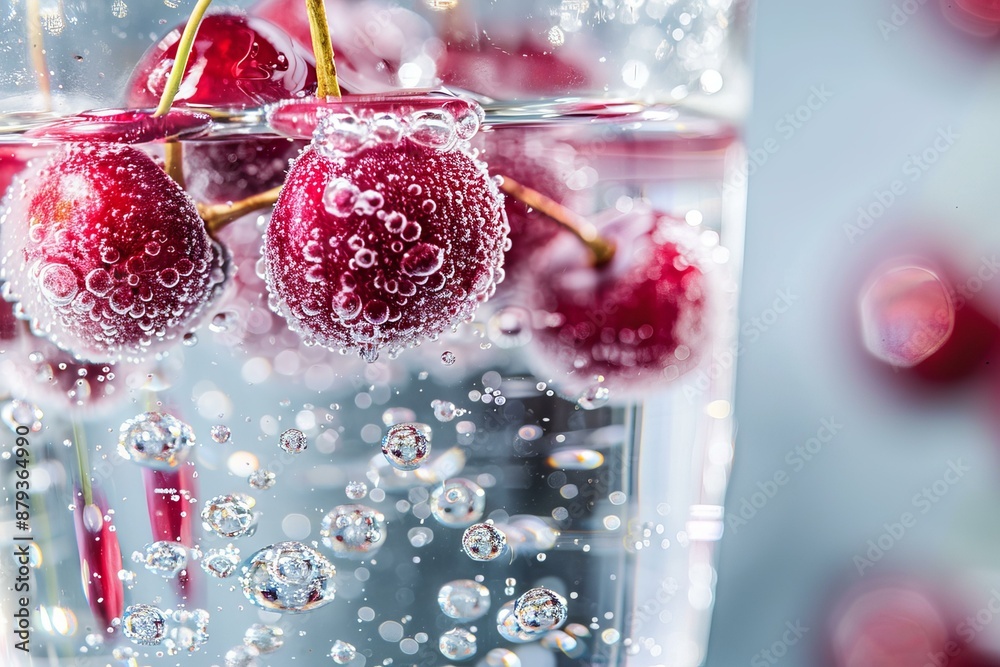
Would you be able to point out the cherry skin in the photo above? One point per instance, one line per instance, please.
(632, 324)
(387, 232)
(105, 255)
(988, 10)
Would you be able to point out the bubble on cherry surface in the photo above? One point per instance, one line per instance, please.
(262, 479)
(156, 440)
(339, 135)
(58, 283)
(264, 638)
(340, 197)
(484, 542)
(356, 490)
(458, 503)
(434, 128)
(288, 577)
(342, 652)
(221, 433)
(406, 446)
(229, 515)
(353, 531)
(293, 441)
(144, 624)
(540, 610)
(464, 599)
(163, 558)
(221, 563)
(242, 656)
(457, 644)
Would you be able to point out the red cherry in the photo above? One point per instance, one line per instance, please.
(235, 61)
(104, 254)
(227, 170)
(100, 559)
(387, 231)
(124, 126)
(637, 321)
(988, 10)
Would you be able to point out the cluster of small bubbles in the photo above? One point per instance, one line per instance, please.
(510, 327)
(540, 610)
(264, 638)
(594, 397)
(444, 411)
(448, 358)
(21, 413)
(229, 515)
(353, 531)
(144, 624)
(188, 631)
(464, 599)
(262, 479)
(484, 542)
(155, 439)
(94, 640)
(123, 653)
(356, 490)
(288, 576)
(502, 657)
(293, 441)
(241, 656)
(339, 135)
(222, 562)
(407, 446)
(342, 652)
(164, 558)
(509, 584)
(420, 536)
(128, 578)
(221, 433)
(458, 503)
(457, 644)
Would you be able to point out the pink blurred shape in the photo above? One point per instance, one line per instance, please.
(100, 559)
(170, 498)
(907, 314)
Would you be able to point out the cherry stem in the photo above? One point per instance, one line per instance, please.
(80, 442)
(173, 161)
(326, 68)
(181, 59)
(217, 216)
(37, 47)
(602, 249)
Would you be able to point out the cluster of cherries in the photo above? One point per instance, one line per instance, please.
(389, 228)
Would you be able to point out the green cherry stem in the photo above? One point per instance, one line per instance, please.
(602, 249)
(173, 161)
(80, 443)
(181, 60)
(37, 49)
(326, 69)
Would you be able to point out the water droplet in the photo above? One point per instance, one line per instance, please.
(228, 515)
(265, 638)
(222, 562)
(457, 644)
(166, 559)
(464, 599)
(484, 542)
(155, 439)
(58, 284)
(342, 652)
(423, 259)
(448, 358)
(458, 503)
(406, 446)
(293, 441)
(433, 128)
(221, 433)
(144, 624)
(353, 531)
(340, 197)
(288, 576)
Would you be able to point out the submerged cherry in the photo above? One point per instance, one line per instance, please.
(638, 321)
(104, 254)
(387, 231)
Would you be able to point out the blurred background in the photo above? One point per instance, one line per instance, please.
(862, 508)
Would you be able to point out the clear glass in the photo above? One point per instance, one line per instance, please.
(612, 497)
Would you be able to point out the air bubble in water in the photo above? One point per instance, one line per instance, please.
(264, 638)
(356, 490)
(155, 439)
(444, 411)
(594, 397)
(342, 652)
(288, 576)
(353, 531)
(484, 542)
(540, 610)
(339, 135)
(144, 624)
(502, 657)
(406, 446)
(509, 628)
(293, 441)
(464, 599)
(187, 631)
(228, 515)
(242, 656)
(458, 503)
(448, 358)
(222, 562)
(457, 644)
(221, 433)
(433, 128)
(262, 479)
(164, 558)
(340, 197)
